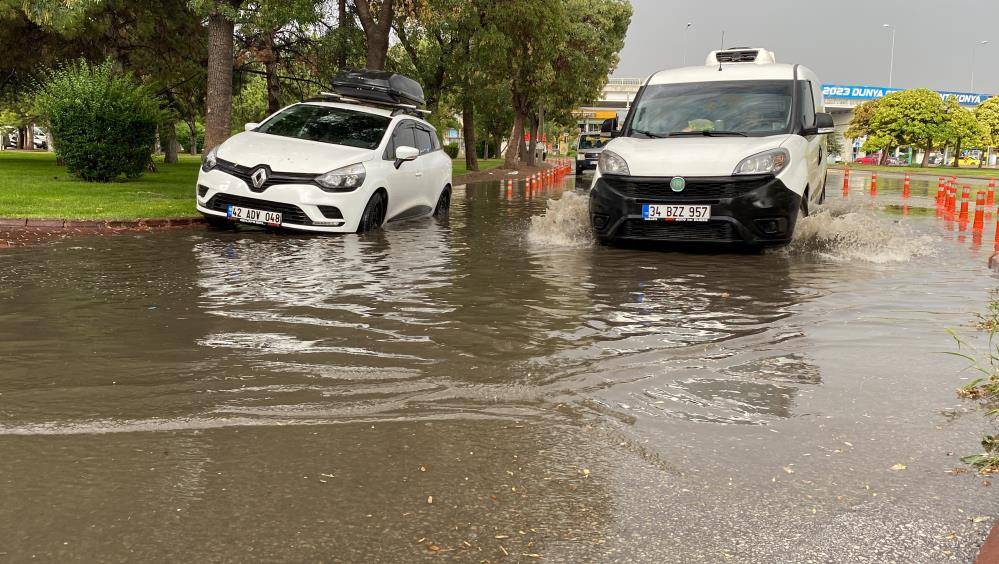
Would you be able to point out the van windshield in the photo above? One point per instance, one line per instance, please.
(743, 107)
(592, 142)
(338, 126)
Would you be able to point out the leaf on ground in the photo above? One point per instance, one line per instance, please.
(789, 470)
(899, 466)
(979, 518)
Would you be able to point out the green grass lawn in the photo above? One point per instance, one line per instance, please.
(33, 185)
(932, 170)
(458, 165)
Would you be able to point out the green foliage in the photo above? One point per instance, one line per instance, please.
(910, 117)
(860, 125)
(961, 125)
(834, 145)
(988, 118)
(250, 103)
(184, 135)
(452, 150)
(103, 122)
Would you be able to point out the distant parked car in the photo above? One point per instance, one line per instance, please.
(869, 160)
(968, 161)
(895, 161)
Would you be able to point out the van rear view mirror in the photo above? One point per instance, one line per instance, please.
(609, 128)
(823, 125)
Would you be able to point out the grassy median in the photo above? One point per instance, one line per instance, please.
(33, 185)
(932, 170)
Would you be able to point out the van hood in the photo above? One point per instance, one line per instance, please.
(287, 154)
(690, 156)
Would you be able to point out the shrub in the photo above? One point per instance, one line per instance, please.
(103, 122)
(452, 150)
(184, 136)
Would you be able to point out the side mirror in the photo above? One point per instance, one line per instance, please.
(610, 128)
(823, 125)
(250, 126)
(405, 153)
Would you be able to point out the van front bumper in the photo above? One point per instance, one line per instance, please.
(750, 209)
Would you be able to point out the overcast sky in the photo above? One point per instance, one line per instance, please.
(843, 41)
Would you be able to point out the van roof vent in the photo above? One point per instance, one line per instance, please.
(757, 56)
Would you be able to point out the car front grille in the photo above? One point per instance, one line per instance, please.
(273, 177)
(289, 213)
(696, 189)
(737, 56)
(721, 231)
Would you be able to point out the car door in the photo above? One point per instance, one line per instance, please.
(815, 151)
(429, 169)
(404, 184)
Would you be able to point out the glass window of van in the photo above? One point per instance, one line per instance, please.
(807, 103)
(749, 107)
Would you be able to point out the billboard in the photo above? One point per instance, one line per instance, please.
(863, 93)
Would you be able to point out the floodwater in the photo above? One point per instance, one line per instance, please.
(496, 387)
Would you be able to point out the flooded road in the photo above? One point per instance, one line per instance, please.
(495, 387)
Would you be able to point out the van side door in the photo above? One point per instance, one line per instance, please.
(815, 151)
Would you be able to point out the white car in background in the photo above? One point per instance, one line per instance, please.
(345, 162)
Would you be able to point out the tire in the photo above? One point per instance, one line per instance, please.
(803, 210)
(443, 208)
(822, 196)
(374, 213)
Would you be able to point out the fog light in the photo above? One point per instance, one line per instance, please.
(202, 190)
(771, 226)
(599, 220)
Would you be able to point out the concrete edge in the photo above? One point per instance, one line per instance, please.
(55, 225)
(989, 553)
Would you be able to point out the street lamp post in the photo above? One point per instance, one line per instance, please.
(687, 27)
(891, 64)
(973, 50)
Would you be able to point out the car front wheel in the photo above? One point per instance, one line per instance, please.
(374, 213)
(443, 203)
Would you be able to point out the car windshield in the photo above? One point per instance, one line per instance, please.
(592, 142)
(338, 126)
(751, 108)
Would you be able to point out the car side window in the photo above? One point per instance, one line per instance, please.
(424, 141)
(807, 103)
(402, 136)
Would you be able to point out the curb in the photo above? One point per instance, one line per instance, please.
(55, 225)
(989, 553)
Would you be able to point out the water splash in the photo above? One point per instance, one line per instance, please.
(565, 223)
(847, 231)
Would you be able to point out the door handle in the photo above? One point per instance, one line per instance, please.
(418, 174)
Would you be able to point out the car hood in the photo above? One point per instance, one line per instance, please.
(690, 156)
(286, 154)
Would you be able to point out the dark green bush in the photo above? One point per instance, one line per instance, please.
(452, 150)
(103, 122)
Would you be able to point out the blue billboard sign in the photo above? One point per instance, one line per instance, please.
(862, 93)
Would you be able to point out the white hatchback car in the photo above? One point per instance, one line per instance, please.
(329, 166)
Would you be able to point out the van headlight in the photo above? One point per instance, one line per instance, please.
(210, 159)
(612, 163)
(343, 179)
(767, 162)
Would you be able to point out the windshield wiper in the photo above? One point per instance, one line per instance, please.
(707, 133)
(648, 133)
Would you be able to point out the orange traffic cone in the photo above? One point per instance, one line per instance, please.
(905, 188)
(979, 224)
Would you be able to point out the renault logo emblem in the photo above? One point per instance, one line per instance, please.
(677, 184)
(258, 177)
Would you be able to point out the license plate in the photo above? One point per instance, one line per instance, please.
(258, 217)
(669, 212)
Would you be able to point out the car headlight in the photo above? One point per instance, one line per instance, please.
(210, 159)
(612, 163)
(767, 162)
(580, 157)
(343, 179)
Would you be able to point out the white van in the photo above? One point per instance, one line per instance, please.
(733, 151)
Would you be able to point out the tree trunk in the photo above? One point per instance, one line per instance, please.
(532, 148)
(376, 31)
(957, 153)
(218, 102)
(193, 126)
(516, 138)
(168, 140)
(271, 73)
(926, 153)
(468, 132)
(498, 140)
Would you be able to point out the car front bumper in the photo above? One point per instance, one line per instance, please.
(752, 209)
(304, 207)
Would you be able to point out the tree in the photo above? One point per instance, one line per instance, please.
(988, 117)
(960, 126)
(376, 21)
(222, 15)
(909, 117)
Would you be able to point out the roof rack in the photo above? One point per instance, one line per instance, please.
(397, 108)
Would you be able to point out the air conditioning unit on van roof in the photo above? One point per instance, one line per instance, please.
(754, 55)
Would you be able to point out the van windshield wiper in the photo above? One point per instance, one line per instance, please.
(648, 133)
(707, 133)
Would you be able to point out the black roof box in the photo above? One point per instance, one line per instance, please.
(378, 86)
